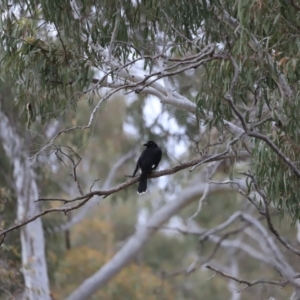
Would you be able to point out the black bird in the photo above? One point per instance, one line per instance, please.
(147, 162)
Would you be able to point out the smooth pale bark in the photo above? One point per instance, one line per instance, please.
(140, 238)
(34, 267)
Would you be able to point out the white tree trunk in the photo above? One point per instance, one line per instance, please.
(140, 238)
(34, 267)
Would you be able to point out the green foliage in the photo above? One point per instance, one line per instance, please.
(55, 50)
(50, 70)
(278, 181)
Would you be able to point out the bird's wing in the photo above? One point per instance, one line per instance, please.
(157, 158)
(150, 159)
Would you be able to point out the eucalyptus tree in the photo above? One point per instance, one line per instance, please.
(229, 67)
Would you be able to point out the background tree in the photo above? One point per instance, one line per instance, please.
(225, 75)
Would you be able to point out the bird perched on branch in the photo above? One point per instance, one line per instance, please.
(147, 162)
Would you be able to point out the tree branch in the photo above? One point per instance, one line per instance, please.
(269, 220)
(285, 89)
(249, 283)
(276, 150)
(85, 198)
(82, 213)
(129, 182)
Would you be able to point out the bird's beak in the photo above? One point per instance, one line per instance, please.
(145, 145)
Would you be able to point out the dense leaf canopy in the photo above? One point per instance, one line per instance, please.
(226, 71)
(61, 51)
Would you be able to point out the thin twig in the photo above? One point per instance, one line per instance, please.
(96, 180)
(115, 32)
(224, 237)
(214, 157)
(221, 226)
(62, 43)
(248, 283)
(229, 95)
(4, 235)
(74, 165)
(268, 218)
(210, 172)
(45, 212)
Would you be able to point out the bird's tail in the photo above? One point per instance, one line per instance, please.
(142, 188)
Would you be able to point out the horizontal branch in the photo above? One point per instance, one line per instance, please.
(85, 198)
(206, 158)
(45, 212)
